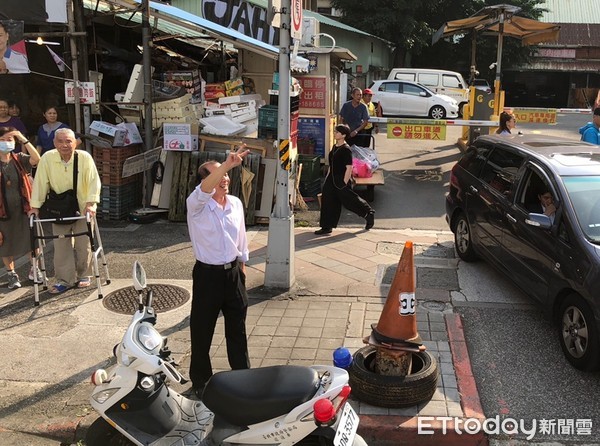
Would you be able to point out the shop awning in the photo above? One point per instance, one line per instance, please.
(486, 21)
(182, 24)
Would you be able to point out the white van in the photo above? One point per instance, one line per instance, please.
(449, 83)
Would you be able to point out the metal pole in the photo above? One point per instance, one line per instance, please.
(147, 70)
(279, 272)
(74, 65)
(497, 82)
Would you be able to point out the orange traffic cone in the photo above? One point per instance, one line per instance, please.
(397, 326)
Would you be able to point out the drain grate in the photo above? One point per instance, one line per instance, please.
(166, 297)
(435, 278)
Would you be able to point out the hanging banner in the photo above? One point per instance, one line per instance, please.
(13, 56)
(34, 11)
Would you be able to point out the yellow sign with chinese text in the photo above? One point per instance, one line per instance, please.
(535, 115)
(416, 129)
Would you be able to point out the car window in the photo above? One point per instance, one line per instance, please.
(584, 194)
(475, 158)
(501, 169)
(450, 81)
(405, 76)
(390, 87)
(534, 184)
(428, 79)
(413, 90)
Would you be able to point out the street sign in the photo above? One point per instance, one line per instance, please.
(87, 92)
(296, 25)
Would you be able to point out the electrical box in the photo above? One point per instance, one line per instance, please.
(310, 28)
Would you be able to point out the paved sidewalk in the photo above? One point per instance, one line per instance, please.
(342, 282)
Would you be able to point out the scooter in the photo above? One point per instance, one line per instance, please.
(278, 405)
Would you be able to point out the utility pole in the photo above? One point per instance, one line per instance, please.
(280, 271)
(74, 64)
(147, 72)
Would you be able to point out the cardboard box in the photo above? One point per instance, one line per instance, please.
(114, 135)
(177, 137)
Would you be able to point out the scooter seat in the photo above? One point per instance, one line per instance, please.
(245, 397)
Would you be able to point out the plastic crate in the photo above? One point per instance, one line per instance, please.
(109, 162)
(267, 132)
(116, 202)
(311, 168)
(310, 189)
(267, 116)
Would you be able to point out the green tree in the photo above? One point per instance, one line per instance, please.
(410, 25)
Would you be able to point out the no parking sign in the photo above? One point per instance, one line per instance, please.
(296, 28)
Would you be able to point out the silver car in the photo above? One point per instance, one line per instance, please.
(404, 98)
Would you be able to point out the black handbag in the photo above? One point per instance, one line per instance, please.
(63, 205)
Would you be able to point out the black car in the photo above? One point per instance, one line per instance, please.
(530, 206)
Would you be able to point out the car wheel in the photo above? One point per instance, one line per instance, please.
(578, 334)
(463, 239)
(437, 112)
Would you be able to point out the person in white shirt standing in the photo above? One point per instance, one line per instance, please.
(218, 234)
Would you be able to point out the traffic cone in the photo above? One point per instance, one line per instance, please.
(397, 326)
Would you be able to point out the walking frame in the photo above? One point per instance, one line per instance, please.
(38, 243)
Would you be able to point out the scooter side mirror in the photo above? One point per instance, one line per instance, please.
(139, 276)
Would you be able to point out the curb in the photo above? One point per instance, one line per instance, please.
(389, 430)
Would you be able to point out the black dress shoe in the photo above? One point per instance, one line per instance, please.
(370, 218)
(323, 231)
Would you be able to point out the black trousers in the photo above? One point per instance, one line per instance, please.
(332, 200)
(216, 290)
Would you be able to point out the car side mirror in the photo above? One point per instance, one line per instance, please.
(423, 94)
(541, 221)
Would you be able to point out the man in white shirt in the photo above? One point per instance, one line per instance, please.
(218, 234)
(11, 61)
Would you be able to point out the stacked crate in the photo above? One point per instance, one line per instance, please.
(267, 119)
(310, 180)
(119, 196)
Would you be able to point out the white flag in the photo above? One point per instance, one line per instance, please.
(57, 60)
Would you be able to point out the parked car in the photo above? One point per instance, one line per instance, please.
(482, 85)
(449, 83)
(494, 209)
(404, 98)
(545, 95)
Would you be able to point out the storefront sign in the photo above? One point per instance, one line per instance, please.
(416, 129)
(314, 89)
(177, 137)
(535, 115)
(87, 92)
(245, 17)
(311, 136)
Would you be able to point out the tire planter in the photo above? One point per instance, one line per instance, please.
(393, 391)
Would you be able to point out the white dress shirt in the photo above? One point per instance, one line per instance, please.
(218, 234)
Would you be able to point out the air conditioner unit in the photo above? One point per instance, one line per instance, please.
(310, 28)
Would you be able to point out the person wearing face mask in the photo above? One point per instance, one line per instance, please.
(15, 195)
(218, 233)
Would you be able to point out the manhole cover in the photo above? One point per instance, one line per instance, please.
(433, 305)
(166, 297)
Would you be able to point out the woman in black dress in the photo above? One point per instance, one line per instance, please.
(337, 189)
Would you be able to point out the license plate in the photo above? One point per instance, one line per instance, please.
(346, 430)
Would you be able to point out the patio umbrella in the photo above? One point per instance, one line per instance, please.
(500, 20)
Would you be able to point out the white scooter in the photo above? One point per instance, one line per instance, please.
(280, 405)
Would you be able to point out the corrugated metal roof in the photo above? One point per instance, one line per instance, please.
(581, 66)
(327, 21)
(571, 11)
(579, 34)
